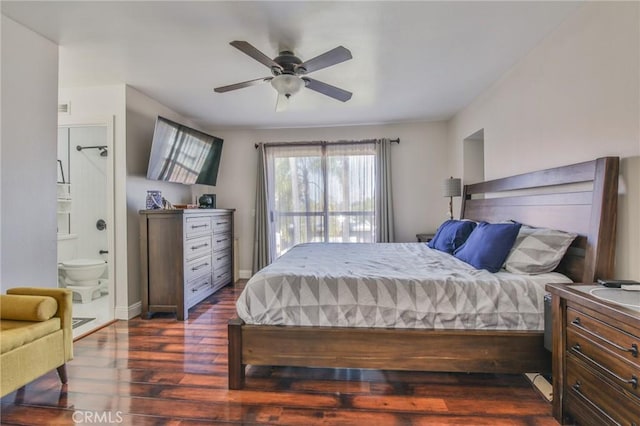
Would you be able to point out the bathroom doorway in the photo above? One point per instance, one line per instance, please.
(85, 220)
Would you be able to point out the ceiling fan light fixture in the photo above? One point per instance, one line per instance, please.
(287, 84)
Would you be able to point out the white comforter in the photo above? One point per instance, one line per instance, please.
(398, 285)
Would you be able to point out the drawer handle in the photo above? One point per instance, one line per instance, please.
(221, 223)
(633, 349)
(577, 389)
(197, 289)
(633, 381)
(221, 257)
(219, 241)
(202, 265)
(576, 386)
(204, 225)
(199, 246)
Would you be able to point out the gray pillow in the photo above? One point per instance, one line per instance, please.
(538, 250)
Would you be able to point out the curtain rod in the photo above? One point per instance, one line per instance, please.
(397, 140)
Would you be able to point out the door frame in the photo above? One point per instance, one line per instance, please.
(108, 122)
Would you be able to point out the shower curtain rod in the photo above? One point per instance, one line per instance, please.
(397, 140)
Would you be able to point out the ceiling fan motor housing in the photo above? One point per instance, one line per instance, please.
(289, 63)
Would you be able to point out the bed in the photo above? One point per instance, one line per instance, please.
(579, 198)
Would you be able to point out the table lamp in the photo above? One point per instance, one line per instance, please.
(451, 188)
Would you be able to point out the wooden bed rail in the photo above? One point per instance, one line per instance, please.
(479, 351)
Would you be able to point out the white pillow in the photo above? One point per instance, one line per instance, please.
(538, 250)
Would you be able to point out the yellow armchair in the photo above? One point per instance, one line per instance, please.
(35, 335)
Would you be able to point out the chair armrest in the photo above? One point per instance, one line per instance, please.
(65, 305)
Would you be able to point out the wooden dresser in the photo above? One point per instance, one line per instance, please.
(186, 256)
(596, 364)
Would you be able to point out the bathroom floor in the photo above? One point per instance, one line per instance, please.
(97, 308)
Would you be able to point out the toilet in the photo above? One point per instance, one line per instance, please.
(83, 276)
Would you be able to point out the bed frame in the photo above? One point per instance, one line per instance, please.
(580, 198)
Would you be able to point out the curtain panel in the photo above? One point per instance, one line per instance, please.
(384, 195)
(262, 251)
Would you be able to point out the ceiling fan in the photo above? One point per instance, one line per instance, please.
(290, 73)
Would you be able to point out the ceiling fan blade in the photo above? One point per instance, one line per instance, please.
(332, 57)
(236, 86)
(248, 49)
(327, 89)
(282, 104)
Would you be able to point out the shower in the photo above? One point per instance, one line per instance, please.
(83, 238)
(102, 148)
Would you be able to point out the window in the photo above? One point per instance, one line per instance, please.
(321, 193)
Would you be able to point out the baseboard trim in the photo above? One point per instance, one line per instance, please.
(244, 274)
(128, 312)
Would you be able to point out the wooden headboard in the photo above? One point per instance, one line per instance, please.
(580, 198)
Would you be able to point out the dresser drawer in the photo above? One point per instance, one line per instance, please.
(197, 225)
(222, 276)
(221, 224)
(614, 339)
(584, 412)
(616, 368)
(198, 289)
(198, 267)
(221, 258)
(197, 247)
(594, 390)
(221, 241)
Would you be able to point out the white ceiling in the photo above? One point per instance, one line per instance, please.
(412, 61)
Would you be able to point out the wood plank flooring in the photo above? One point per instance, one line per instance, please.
(166, 372)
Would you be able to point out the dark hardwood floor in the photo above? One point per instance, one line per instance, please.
(166, 372)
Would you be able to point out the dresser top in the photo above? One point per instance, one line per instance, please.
(599, 298)
(186, 211)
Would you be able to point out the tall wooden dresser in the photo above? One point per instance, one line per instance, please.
(596, 365)
(186, 256)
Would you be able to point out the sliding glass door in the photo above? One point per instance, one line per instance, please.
(321, 193)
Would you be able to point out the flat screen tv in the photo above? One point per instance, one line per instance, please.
(183, 155)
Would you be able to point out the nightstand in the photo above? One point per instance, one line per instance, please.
(425, 237)
(595, 356)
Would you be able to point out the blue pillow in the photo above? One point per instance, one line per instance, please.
(451, 235)
(488, 245)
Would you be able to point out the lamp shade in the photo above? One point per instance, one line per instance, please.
(287, 84)
(451, 187)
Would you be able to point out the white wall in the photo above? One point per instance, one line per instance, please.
(419, 164)
(28, 150)
(141, 117)
(574, 98)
